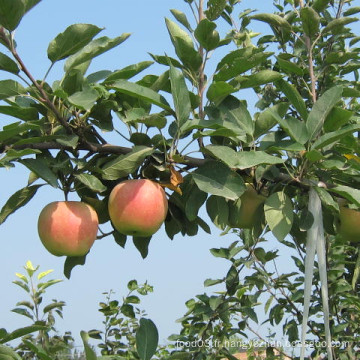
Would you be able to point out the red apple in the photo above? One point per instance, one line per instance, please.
(137, 207)
(68, 228)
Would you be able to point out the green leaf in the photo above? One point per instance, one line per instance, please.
(54, 305)
(84, 99)
(68, 140)
(26, 114)
(248, 159)
(7, 64)
(260, 78)
(217, 179)
(11, 13)
(71, 262)
(266, 120)
(44, 273)
(194, 201)
(215, 8)
(334, 136)
(92, 182)
(184, 46)
(310, 21)
(73, 39)
(321, 109)
(295, 128)
(336, 25)
(142, 244)
(16, 334)
(40, 167)
(128, 71)
(353, 195)
(140, 92)
(94, 48)
(327, 199)
(294, 97)
(289, 67)
(147, 339)
(232, 280)
(232, 114)
(17, 200)
(180, 95)
(124, 165)
(218, 211)
(89, 351)
(23, 312)
(272, 20)
(181, 18)
(29, 4)
(337, 118)
(238, 62)
(218, 91)
(279, 214)
(17, 128)
(206, 34)
(10, 88)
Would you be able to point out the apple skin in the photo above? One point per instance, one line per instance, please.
(246, 216)
(349, 227)
(68, 228)
(137, 207)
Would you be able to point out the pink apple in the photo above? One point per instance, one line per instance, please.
(138, 207)
(68, 228)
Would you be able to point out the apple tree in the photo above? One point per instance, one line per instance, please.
(289, 166)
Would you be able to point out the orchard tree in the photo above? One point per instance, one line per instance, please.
(289, 167)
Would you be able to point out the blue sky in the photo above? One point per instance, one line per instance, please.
(175, 268)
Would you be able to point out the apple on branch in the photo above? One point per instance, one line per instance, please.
(138, 207)
(68, 228)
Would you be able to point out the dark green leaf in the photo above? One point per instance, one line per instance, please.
(8, 64)
(232, 280)
(68, 140)
(147, 339)
(218, 211)
(71, 262)
(40, 167)
(218, 91)
(194, 201)
(351, 194)
(94, 48)
(217, 179)
(17, 200)
(73, 39)
(142, 244)
(11, 13)
(294, 97)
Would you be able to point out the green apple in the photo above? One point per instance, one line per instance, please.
(246, 211)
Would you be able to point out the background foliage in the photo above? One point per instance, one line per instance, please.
(302, 135)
